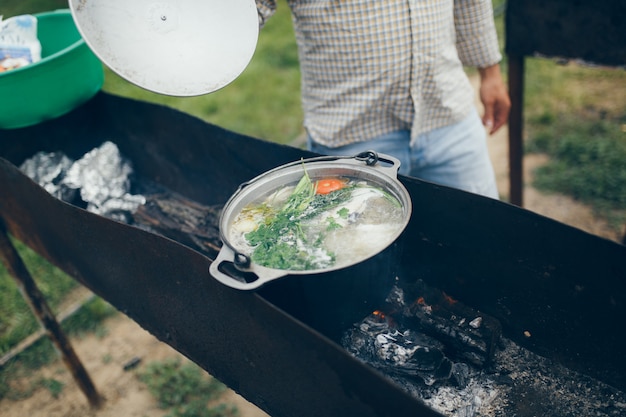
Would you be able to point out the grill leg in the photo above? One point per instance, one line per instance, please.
(516, 129)
(33, 296)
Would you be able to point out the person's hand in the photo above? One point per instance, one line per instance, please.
(495, 98)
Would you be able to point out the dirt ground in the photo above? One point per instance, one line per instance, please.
(125, 396)
(555, 206)
(104, 358)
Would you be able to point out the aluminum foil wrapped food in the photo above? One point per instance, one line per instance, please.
(48, 169)
(101, 180)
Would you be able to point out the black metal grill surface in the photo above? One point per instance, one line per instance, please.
(563, 286)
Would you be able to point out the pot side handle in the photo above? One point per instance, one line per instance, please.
(251, 278)
(388, 164)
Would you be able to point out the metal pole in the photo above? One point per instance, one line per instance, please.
(33, 296)
(516, 129)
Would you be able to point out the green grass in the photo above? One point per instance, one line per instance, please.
(88, 319)
(185, 390)
(576, 114)
(16, 319)
(10, 8)
(588, 160)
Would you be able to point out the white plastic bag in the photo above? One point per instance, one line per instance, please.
(19, 45)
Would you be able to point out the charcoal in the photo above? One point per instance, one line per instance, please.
(177, 217)
(469, 335)
(398, 351)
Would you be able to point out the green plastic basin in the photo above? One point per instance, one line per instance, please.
(68, 75)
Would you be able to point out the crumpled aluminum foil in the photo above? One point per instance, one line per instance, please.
(48, 169)
(101, 178)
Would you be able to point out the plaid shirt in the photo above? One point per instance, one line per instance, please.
(374, 67)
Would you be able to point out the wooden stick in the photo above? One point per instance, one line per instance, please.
(30, 340)
(33, 296)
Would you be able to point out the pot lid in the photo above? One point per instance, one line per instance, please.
(173, 47)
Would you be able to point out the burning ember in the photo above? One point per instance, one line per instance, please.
(455, 360)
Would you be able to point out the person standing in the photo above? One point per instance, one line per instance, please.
(389, 76)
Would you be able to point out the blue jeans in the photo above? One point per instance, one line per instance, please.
(456, 156)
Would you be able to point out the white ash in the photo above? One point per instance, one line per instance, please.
(517, 383)
(521, 384)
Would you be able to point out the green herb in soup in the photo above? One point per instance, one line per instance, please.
(317, 224)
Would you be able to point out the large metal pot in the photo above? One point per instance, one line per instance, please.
(236, 269)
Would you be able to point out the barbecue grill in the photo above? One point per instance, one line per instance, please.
(555, 290)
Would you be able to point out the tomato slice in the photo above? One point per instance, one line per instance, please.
(328, 185)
